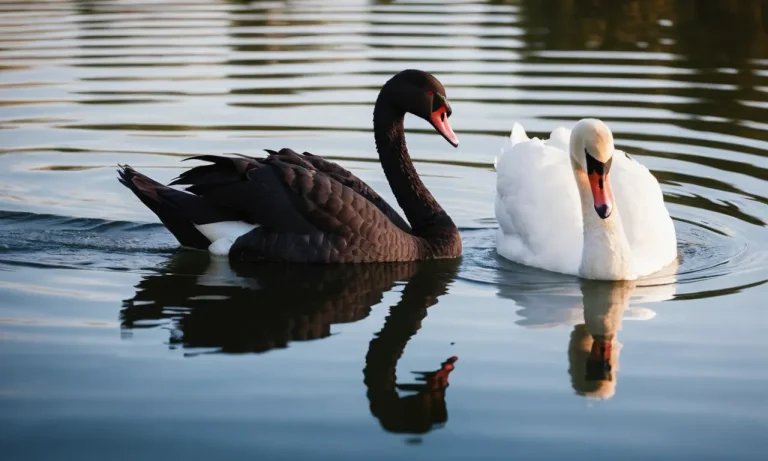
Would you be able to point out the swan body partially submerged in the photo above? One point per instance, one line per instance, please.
(574, 204)
(291, 207)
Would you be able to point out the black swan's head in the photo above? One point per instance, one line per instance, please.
(421, 94)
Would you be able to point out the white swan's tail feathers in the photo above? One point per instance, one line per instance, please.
(560, 138)
(518, 134)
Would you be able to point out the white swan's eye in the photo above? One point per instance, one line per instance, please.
(596, 166)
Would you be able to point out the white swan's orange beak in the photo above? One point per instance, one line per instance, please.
(601, 193)
(439, 119)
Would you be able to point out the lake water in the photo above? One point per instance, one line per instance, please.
(115, 344)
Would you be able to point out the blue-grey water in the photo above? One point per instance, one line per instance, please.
(116, 344)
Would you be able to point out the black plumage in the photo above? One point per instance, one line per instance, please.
(312, 210)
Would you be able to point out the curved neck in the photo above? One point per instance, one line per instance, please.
(418, 412)
(604, 303)
(418, 204)
(606, 254)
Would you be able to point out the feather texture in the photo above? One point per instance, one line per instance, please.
(293, 207)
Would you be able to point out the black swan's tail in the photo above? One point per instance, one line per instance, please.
(179, 211)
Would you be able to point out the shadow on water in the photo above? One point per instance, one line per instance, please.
(227, 308)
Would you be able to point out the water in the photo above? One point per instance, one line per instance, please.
(116, 344)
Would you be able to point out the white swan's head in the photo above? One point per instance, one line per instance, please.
(591, 147)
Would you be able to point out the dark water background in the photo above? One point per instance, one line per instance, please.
(114, 344)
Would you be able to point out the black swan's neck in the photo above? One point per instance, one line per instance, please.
(420, 412)
(418, 204)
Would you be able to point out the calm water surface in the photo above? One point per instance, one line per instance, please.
(114, 344)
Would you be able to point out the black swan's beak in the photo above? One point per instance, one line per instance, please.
(597, 172)
(439, 119)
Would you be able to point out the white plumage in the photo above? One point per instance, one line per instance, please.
(223, 234)
(541, 214)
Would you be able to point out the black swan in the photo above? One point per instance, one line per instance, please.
(291, 207)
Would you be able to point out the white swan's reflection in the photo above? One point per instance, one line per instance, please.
(593, 350)
(596, 310)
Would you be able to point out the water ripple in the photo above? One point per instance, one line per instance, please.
(87, 84)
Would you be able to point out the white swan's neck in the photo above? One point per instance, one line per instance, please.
(606, 254)
(604, 303)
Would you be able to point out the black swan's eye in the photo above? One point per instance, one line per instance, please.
(442, 116)
(438, 101)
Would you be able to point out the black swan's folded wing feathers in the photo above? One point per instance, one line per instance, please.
(289, 200)
(220, 170)
(343, 176)
(344, 226)
(220, 178)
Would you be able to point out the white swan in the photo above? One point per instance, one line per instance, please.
(559, 211)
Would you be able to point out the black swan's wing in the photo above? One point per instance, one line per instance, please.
(225, 169)
(343, 176)
(304, 214)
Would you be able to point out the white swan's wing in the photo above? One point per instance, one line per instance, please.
(537, 204)
(644, 216)
(560, 139)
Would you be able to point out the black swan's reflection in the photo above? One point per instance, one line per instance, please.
(416, 413)
(255, 308)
